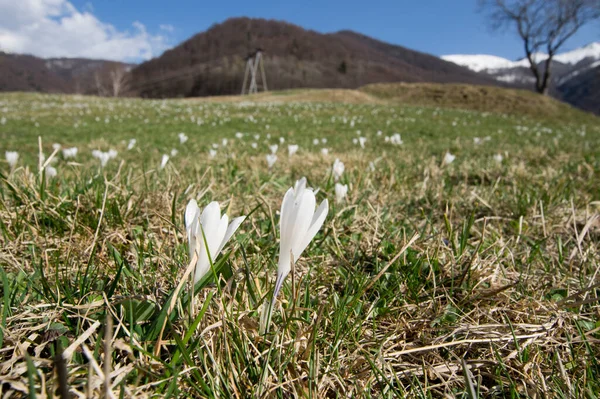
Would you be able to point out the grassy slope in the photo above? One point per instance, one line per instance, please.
(501, 275)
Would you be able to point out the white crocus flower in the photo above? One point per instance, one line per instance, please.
(292, 149)
(239, 135)
(207, 229)
(182, 138)
(112, 154)
(131, 144)
(56, 146)
(163, 161)
(449, 158)
(271, 159)
(70, 152)
(315, 141)
(212, 153)
(362, 141)
(498, 158)
(11, 157)
(396, 139)
(338, 169)
(341, 191)
(273, 148)
(254, 145)
(104, 157)
(298, 225)
(325, 151)
(174, 152)
(51, 172)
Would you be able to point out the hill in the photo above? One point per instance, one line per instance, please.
(213, 62)
(60, 75)
(486, 99)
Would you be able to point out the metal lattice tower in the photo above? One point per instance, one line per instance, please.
(254, 61)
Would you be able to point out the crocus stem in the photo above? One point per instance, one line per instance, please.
(278, 285)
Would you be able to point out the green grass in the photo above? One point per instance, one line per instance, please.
(502, 276)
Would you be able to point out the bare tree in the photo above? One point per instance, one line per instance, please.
(119, 79)
(99, 86)
(543, 25)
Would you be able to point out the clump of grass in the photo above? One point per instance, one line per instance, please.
(430, 280)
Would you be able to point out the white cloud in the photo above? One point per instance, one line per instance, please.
(167, 28)
(55, 28)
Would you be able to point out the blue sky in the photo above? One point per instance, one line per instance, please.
(434, 26)
(139, 29)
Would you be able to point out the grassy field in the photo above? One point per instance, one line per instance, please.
(475, 278)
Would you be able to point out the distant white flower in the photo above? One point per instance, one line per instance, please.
(163, 161)
(224, 142)
(56, 146)
(207, 229)
(69, 152)
(386, 139)
(239, 135)
(371, 167)
(325, 151)
(256, 136)
(298, 225)
(324, 140)
(273, 148)
(449, 158)
(315, 141)
(174, 152)
(11, 157)
(281, 140)
(215, 145)
(338, 169)
(254, 145)
(271, 159)
(362, 141)
(355, 141)
(379, 132)
(51, 172)
(292, 149)
(131, 144)
(212, 153)
(476, 140)
(112, 154)
(396, 139)
(182, 138)
(498, 158)
(102, 156)
(341, 190)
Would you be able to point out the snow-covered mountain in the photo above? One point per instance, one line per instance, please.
(574, 79)
(565, 66)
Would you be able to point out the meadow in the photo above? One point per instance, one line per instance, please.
(463, 261)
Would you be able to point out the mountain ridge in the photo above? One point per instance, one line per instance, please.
(213, 62)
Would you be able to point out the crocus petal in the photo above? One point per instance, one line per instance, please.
(304, 216)
(285, 228)
(295, 221)
(191, 210)
(233, 226)
(211, 216)
(315, 226)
